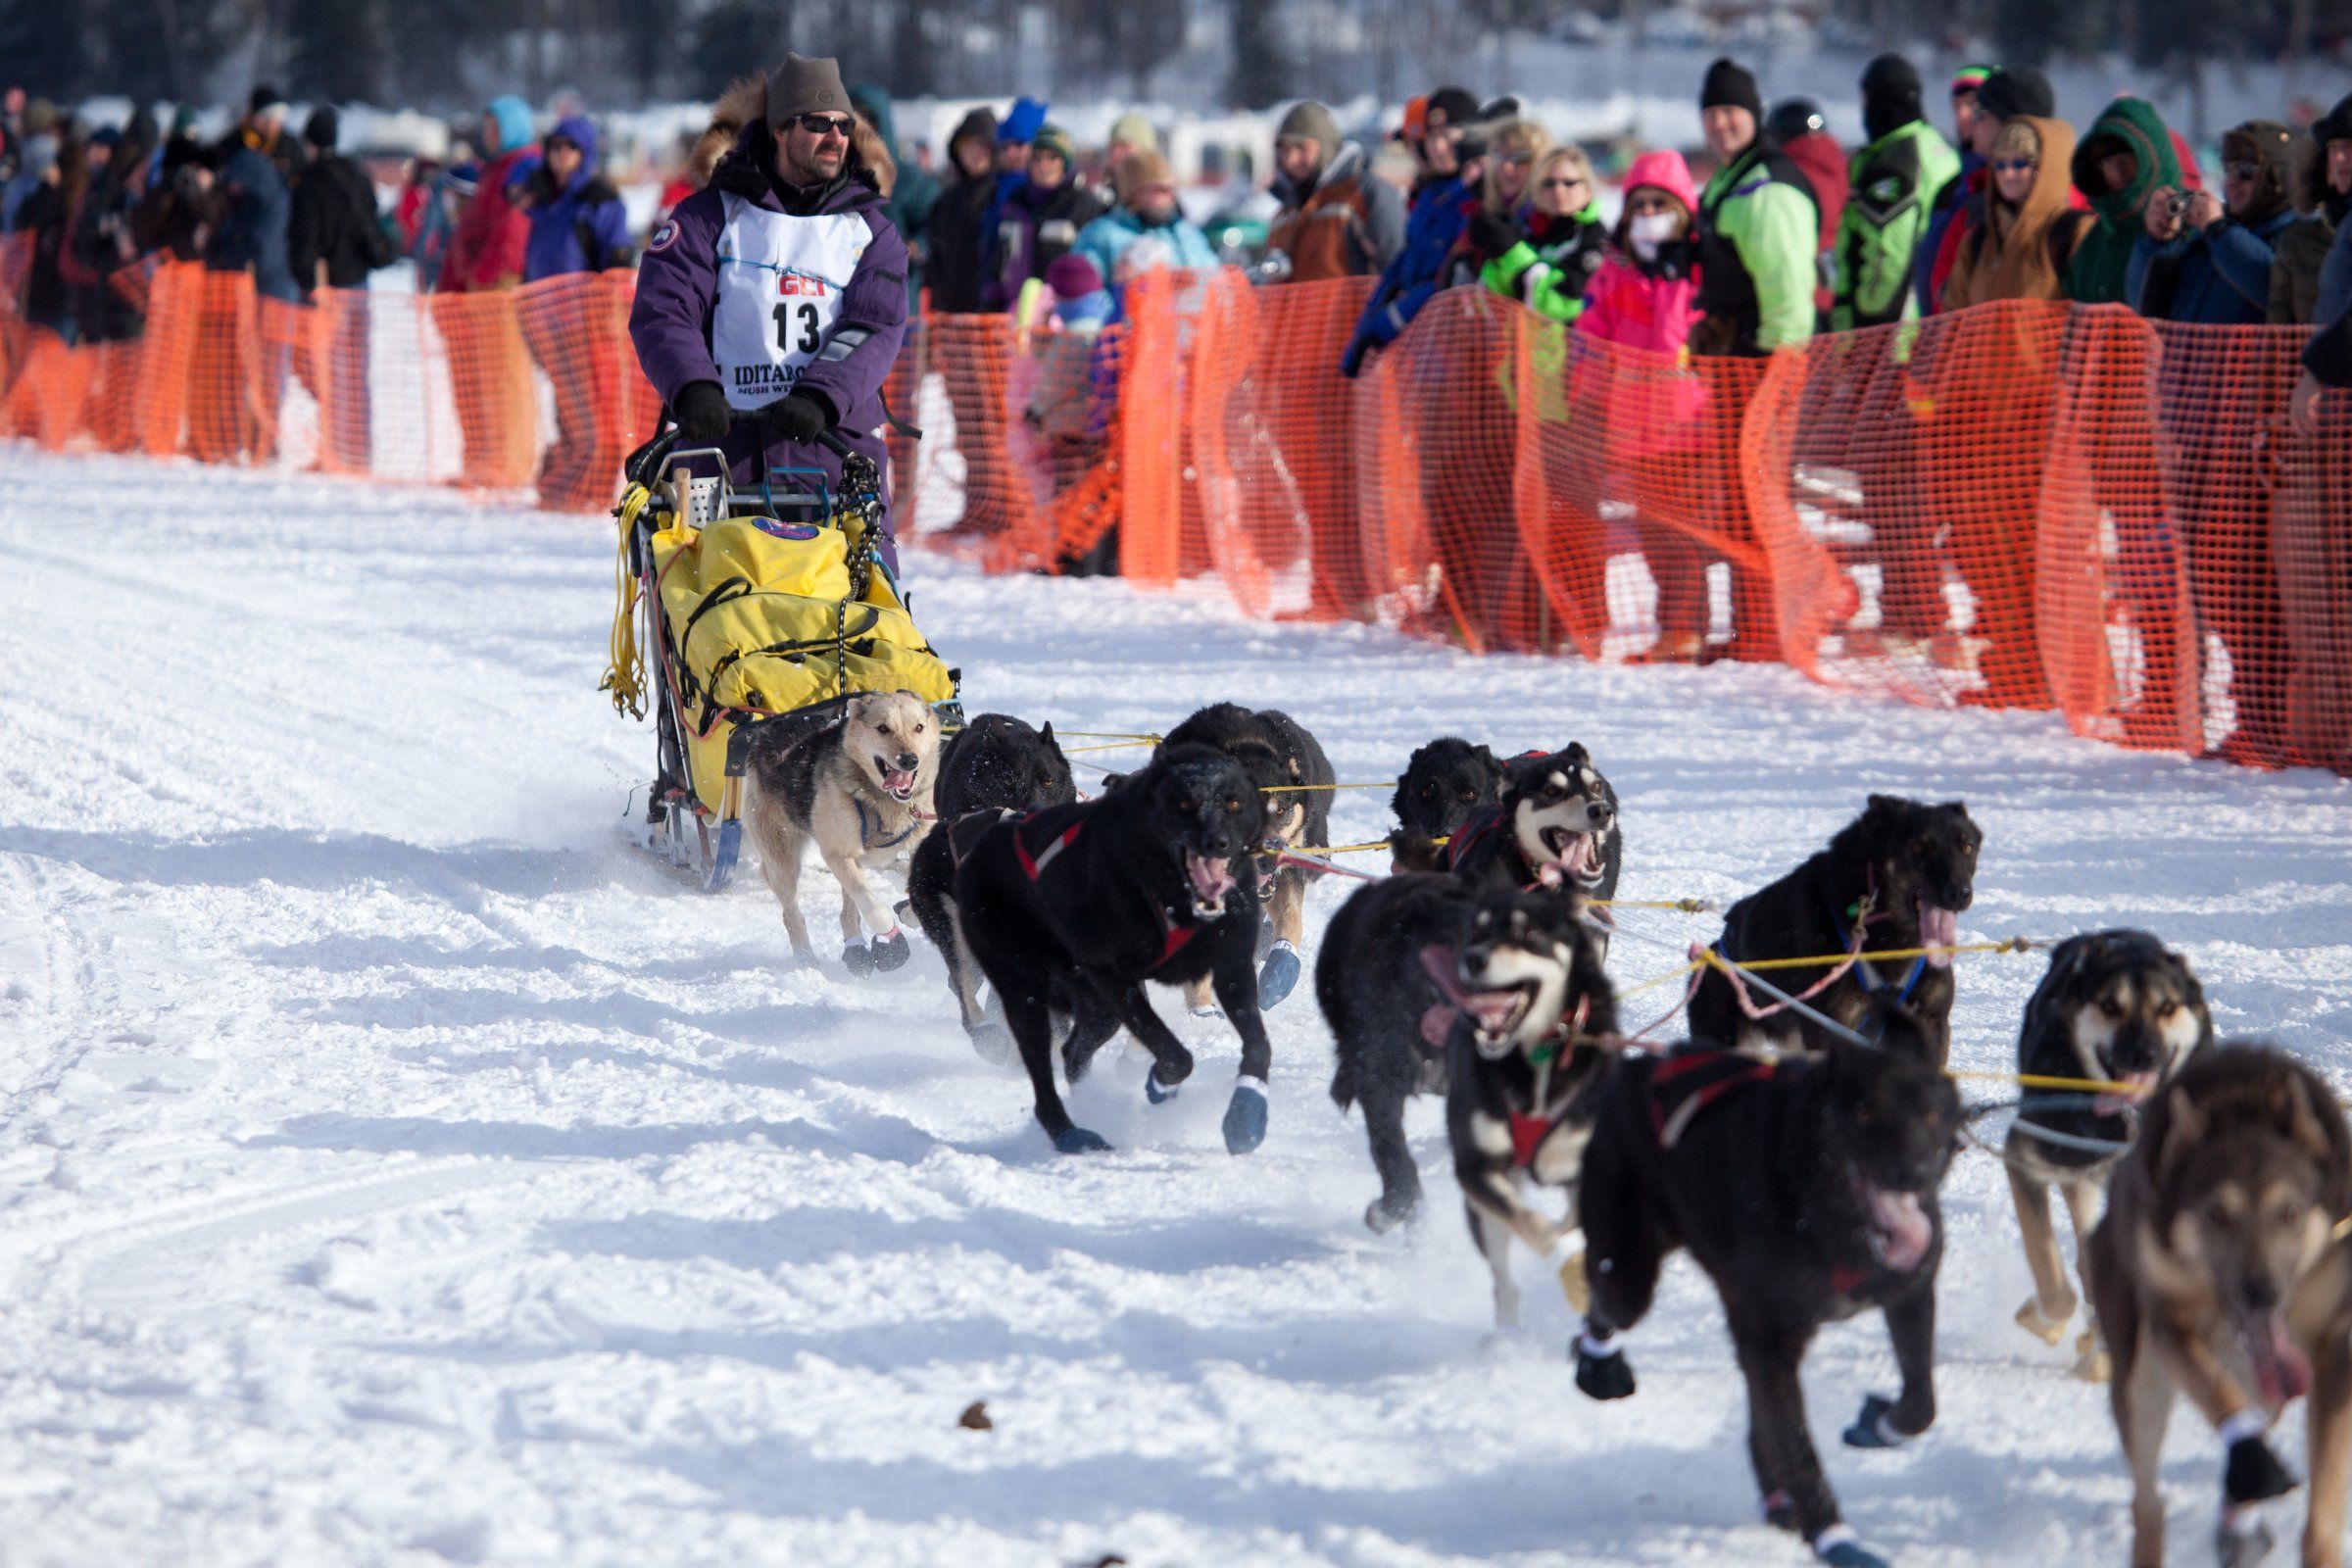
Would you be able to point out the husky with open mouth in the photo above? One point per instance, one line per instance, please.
(2116, 1007)
(1554, 828)
(1076, 907)
(1535, 1025)
(859, 790)
(1805, 1186)
(1898, 878)
(2220, 1271)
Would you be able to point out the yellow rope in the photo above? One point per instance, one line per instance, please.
(1272, 789)
(624, 672)
(2008, 945)
(1116, 746)
(1137, 737)
(1686, 905)
(2036, 1080)
(1652, 984)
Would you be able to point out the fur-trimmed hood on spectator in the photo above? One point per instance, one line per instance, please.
(745, 104)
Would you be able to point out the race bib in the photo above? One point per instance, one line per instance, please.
(780, 282)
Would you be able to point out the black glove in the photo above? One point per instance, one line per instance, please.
(702, 412)
(1490, 236)
(797, 417)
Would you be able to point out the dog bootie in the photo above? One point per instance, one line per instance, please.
(1602, 1369)
(891, 952)
(858, 959)
(1841, 1547)
(2253, 1472)
(1278, 977)
(1875, 1427)
(1383, 1213)
(1158, 1092)
(1078, 1141)
(2242, 1538)
(2091, 1363)
(1245, 1115)
(993, 1041)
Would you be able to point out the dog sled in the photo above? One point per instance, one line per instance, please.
(738, 609)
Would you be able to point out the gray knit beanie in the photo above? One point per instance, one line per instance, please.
(1310, 118)
(801, 86)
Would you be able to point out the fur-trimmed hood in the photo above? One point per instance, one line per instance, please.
(745, 104)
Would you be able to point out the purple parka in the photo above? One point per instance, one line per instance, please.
(677, 291)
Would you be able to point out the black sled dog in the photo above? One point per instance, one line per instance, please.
(1806, 1189)
(2115, 1007)
(995, 763)
(1443, 783)
(1074, 908)
(1294, 779)
(1534, 1022)
(1389, 1018)
(1897, 877)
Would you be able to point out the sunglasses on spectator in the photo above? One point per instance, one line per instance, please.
(1644, 206)
(1561, 182)
(1517, 159)
(824, 124)
(2015, 166)
(561, 144)
(2248, 173)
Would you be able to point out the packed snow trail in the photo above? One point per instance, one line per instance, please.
(399, 1167)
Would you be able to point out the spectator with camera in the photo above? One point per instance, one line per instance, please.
(2119, 165)
(2205, 260)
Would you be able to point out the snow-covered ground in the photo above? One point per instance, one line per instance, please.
(398, 1167)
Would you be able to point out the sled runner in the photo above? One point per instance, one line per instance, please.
(756, 608)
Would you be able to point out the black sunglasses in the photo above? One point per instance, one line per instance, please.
(821, 125)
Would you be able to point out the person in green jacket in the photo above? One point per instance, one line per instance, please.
(1759, 231)
(1890, 194)
(1546, 261)
(2126, 155)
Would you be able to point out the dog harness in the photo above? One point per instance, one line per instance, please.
(1174, 933)
(1687, 1082)
(865, 829)
(1872, 981)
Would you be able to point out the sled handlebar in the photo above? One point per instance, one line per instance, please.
(645, 464)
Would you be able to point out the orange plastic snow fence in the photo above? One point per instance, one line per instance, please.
(2018, 505)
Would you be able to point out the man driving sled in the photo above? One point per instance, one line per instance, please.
(780, 287)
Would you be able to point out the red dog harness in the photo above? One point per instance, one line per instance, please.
(1687, 1083)
(1174, 933)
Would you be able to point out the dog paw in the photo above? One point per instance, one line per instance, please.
(1875, 1427)
(2243, 1539)
(1384, 1214)
(1078, 1141)
(1207, 1010)
(891, 952)
(2043, 1327)
(1278, 976)
(2253, 1472)
(994, 1041)
(1841, 1547)
(858, 959)
(2090, 1357)
(1245, 1117)
(1158, 1092)
(1604, 1376)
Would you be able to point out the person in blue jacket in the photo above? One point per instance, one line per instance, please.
(1432, 229)
(2201, 261)
(578, 222)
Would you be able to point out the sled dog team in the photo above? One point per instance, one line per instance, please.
(2220, 1267)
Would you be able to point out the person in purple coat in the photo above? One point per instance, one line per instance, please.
(780, 290)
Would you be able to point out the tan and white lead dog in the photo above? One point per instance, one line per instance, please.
(860, 791)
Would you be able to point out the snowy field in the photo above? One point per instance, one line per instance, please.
(399, 1168)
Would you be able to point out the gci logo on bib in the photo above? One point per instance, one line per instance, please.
(780, 279)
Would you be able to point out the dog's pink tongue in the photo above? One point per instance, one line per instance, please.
(1903, 1229)
(2280, 1368)
(2132, 1087)
(1211, 879)
(1938, 928)
(897, 780)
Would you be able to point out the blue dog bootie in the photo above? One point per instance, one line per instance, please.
(890, 950)
(1278, 977)
(1158, 1092)
(1841, 1547)
(1078, 1141)
(1245, 1115)
(1875, 1427)
(858, 959)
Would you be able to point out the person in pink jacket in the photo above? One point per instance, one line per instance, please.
(1644, 298)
